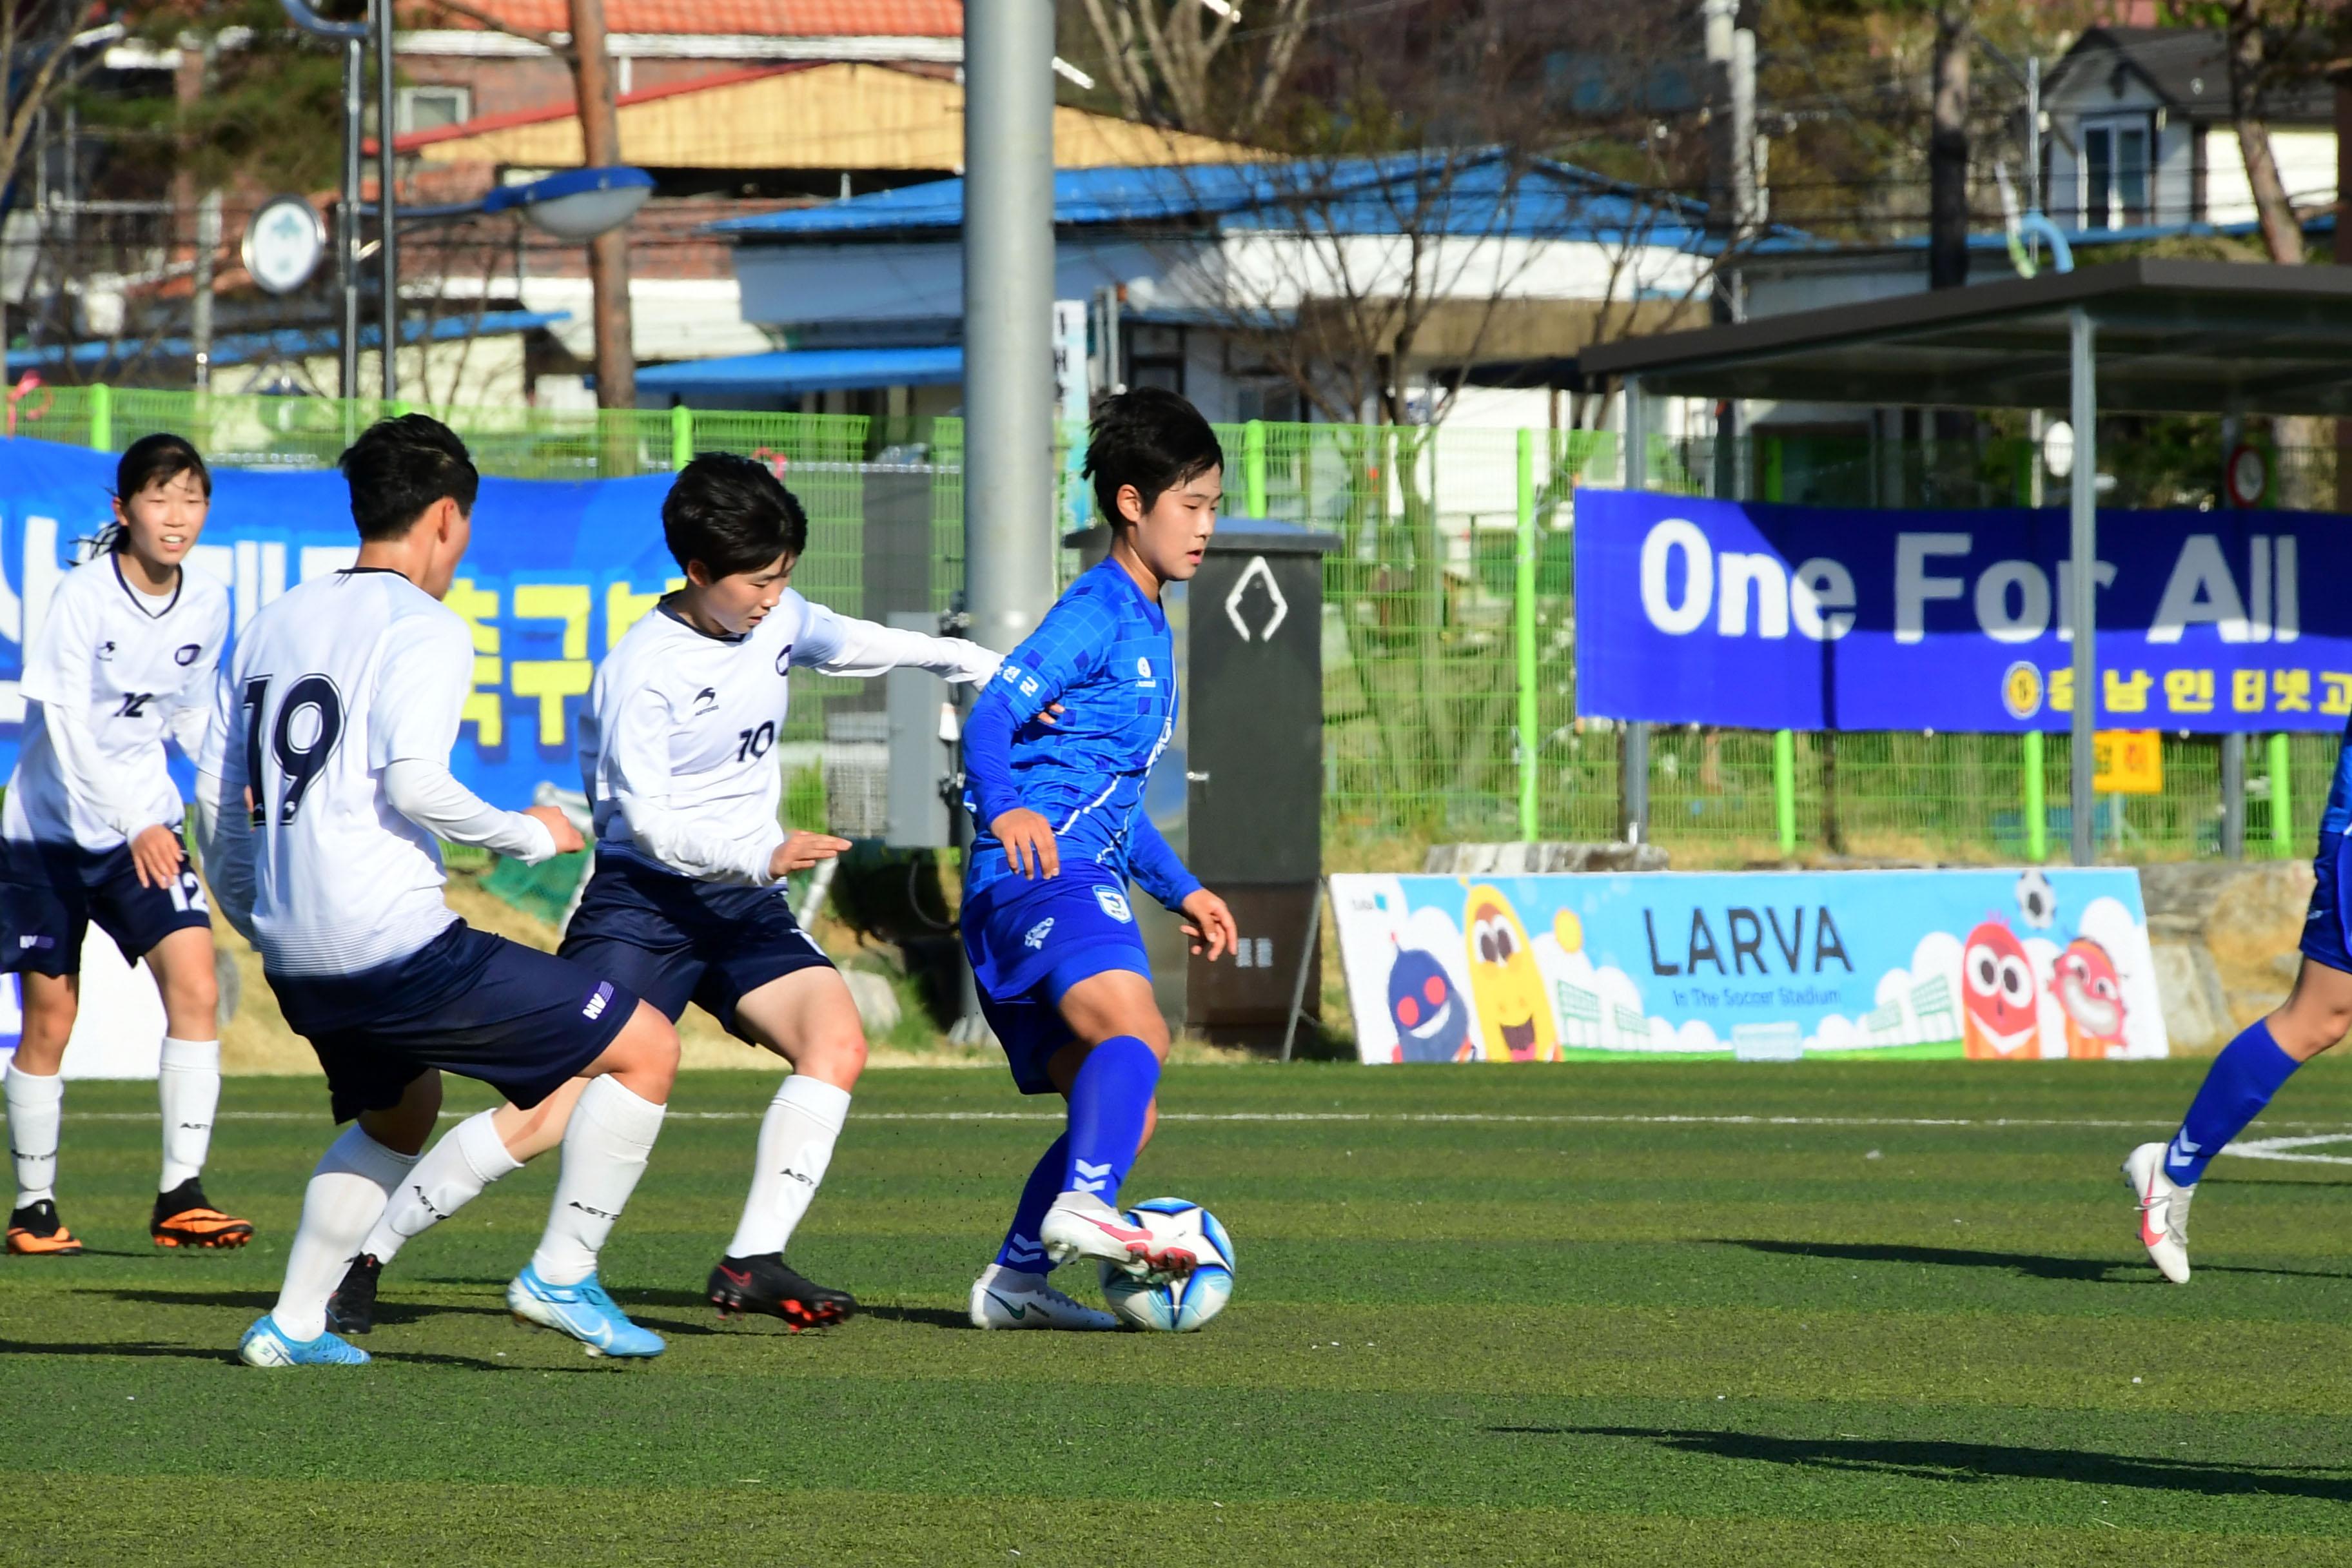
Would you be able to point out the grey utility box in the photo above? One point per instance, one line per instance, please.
(923, 729)
(1239, 792)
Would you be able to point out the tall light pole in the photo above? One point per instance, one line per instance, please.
(388, 254)
(1008, 311)
(354, 37)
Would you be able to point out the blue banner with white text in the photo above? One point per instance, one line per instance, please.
(556, 572)
(1788, 617)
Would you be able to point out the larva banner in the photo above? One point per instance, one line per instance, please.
(1792, 617)
(1995, 965)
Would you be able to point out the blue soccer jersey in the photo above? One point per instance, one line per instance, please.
(2338, 815)
(1104, 654)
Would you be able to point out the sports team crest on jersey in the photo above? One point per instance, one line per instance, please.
(1114, 904)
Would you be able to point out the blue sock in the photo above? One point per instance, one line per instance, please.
(2242, 1080)
(1108, 1101)
(1020, 1250)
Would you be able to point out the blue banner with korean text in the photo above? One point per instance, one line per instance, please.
(556, 572)
(1785, 617)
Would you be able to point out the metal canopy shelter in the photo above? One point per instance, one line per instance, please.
(2142, 336)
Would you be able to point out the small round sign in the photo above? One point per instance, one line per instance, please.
(284, 243)
(2058, 449)
(2246, 475)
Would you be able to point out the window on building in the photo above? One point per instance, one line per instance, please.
(430, 109)
(2117, 173)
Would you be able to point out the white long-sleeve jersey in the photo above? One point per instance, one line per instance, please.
(338, 711)
(674, 743)
(112, 673)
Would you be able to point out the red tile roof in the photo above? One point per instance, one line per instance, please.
(563, 110)
(762, 18)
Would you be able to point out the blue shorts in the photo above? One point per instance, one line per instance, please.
(2325, 930)
(673, 940)
(522, 1021)
(1029, 942)
(51, 893)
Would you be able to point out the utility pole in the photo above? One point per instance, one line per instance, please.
(387, 245)
(608, 253)
(347, 222)
(200, 304)
(1948, 152)
(1008, 312)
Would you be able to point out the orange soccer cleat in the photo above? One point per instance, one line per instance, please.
(185, 1217)
(35, 1231)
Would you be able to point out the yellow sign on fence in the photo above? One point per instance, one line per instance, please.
(2127, 762)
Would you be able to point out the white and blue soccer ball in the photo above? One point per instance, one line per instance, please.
(1175, 1306)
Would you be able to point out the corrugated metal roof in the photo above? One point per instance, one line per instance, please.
(1474, 193)
(790, 372)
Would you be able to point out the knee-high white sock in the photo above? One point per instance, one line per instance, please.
(469, 1157)
(348, 1191)
(605, 1152)
(34, 1106)
(189, 1088)
(796, 1140)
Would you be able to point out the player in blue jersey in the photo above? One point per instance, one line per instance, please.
(2251, 1068)
(1057, 755)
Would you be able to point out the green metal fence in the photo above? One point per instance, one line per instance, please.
(1449, 629)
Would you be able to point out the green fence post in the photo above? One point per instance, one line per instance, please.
(101, 417)
(2037, 812)
(1254, 467)
(1784, 789)
(2281, 801)
(1525, 596)
(681, 436)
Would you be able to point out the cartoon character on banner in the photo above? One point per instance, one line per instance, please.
(2000, 1005)
(1432, 1022)
(2090, 997)
(1514, 1015)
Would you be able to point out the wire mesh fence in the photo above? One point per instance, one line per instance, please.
(1449, 633)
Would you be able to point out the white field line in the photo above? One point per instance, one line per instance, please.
(2259, 1148)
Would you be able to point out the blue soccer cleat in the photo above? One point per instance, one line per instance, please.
(265, 1344)
(582, 1311)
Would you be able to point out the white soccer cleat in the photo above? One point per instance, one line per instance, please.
(2163, 1211)
(1080, 1224)
(1003, 1297)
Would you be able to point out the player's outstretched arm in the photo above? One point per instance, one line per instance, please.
(844, 644)
(1152, 861)
(428, 794)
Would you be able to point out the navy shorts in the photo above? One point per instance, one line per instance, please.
(51, 894)
(673, 940)
(2325, 933)
(1029, 942)
(522, 1021)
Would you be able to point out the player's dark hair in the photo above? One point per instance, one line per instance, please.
(399, 468)
(1151, 438)
(732, 514)
(156, 460)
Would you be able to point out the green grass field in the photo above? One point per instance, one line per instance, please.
(1483, 1316)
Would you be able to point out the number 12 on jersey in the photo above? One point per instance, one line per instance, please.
(310, 721)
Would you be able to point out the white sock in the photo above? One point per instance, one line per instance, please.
(189, 1086)
(605, 1152)
(34, 1106)
(354, 1179)
(469, 1157)
(796, 1140)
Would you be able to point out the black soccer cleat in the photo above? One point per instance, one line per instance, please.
(351, 1309)
(35, 1231)
(765, 1284)
(185, 1217)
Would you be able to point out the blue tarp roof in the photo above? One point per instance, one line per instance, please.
(789, 371)
(243, 348)
(1476, 194)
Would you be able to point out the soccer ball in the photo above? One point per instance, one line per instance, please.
(1175, 1306)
